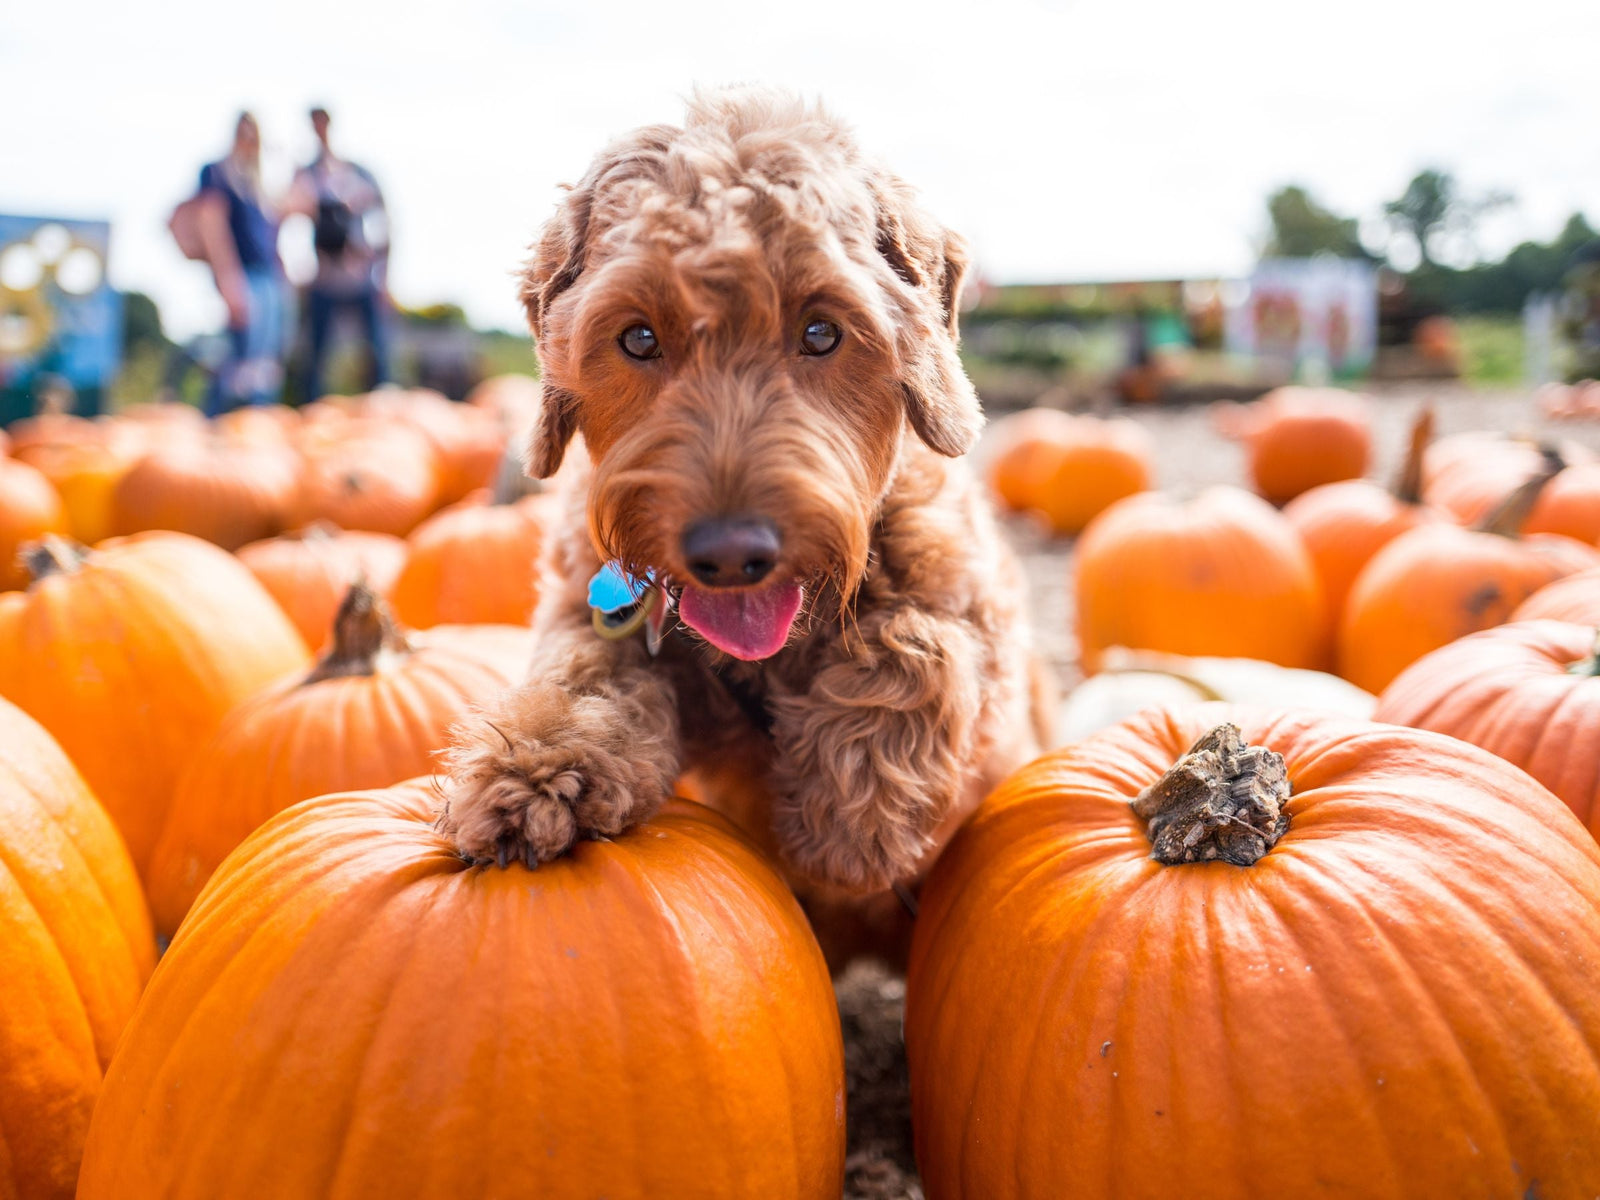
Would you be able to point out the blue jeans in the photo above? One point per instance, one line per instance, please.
(253, 371)
(324, 309)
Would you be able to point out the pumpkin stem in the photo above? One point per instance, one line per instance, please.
(51, 555)
(363, 632)
(1408, 487)
(1223, 800)
(1589, 666)
(1507, 517)
(317, 531)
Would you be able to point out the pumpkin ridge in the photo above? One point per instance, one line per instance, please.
(1413, 988)
(140, 965)
(137, 963)
(79, 983)
(421, 932)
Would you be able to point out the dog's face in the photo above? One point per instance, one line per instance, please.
(743, 319)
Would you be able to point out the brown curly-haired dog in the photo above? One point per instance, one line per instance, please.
(754, 331)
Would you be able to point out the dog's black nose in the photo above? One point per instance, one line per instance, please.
(731, 551)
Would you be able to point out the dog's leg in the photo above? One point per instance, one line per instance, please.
(588, 747)
(878, 750)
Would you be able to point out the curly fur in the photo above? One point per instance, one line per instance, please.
(905, 690)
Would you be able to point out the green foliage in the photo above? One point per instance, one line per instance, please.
(1504, 286)
(1492, 350)
(1302, 228)
(141, 325)
(449, 315)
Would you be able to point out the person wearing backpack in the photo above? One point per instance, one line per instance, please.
(350, 233)
(232, 226)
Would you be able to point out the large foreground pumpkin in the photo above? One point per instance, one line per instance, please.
(1529, 692)
(131, 655)
(1398, 997)
(351, 1010)
(371, 713)
(1222, 575)
(77, 948)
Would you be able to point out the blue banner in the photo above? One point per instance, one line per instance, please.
(58, 315)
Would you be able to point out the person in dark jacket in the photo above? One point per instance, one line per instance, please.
(351, 236)
(239, 229)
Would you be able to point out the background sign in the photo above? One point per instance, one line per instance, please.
(1313, 317)
(58, 315)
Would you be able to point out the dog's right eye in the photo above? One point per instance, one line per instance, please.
(639, 341)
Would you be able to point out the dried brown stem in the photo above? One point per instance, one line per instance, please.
(1508, 517)
(51, 555)
(1588, 666)
(363, 632)
(1408, 487)
(1222, 801)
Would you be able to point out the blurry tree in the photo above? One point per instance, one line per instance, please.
(1432, 206)
(1300, 228)
(141, 324)
(1504, 286)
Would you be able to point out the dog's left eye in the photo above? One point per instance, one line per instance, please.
(819, 337)
(639, 341)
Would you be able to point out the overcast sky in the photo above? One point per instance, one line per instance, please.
(1068, 139)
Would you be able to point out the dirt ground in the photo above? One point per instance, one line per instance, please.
(1189, 455)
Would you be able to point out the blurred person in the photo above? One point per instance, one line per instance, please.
(238, 228)
(351, 238)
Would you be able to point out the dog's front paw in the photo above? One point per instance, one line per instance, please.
(509, 799)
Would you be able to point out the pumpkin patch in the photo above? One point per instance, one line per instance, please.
(1252, 962)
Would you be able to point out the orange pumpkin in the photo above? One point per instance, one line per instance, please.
(1440, 582)
(29, 509)
(371, 713)
(467, 1030)
(467, 441)
(308, 572)
(132, 654)
(514, 399)
(1572, 598)
(77, 948)
(1386, 983)
(1070, 469)
(85, 475)
(228, 495)
(1298, 438)
(1468, 474)
(475, 562)
(1344, 524)
(383, 479)
(1222, 575)
(1529, 692)
(1569, 505)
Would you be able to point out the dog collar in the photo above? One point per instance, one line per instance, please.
(621, 605)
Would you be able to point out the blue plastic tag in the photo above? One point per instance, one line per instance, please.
(612, 589)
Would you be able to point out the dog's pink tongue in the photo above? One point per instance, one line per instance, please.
(746, 624)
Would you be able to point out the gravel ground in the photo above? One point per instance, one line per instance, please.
(1190, 455)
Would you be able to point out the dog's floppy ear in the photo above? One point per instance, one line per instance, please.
(940, 402)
